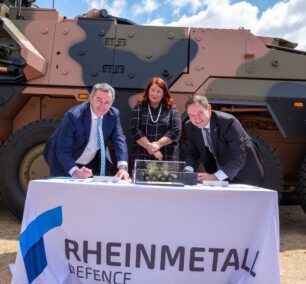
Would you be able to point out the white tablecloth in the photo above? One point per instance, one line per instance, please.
(79, 231)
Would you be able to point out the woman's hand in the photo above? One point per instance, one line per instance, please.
(158, 155)
(153, 148)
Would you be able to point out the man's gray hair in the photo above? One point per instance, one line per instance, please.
(197, 99)
(104, 87)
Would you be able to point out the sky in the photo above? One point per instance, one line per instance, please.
(275, 18)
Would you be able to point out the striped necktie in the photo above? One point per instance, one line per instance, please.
(100, 144)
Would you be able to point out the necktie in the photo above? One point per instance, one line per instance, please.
(208, 143)
(207, 139)
(100, 144)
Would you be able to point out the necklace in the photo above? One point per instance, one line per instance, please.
(150, 113)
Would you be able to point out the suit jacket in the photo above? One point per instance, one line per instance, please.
(68, 142)
(236, 154)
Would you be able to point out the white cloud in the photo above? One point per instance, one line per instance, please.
(220, 14)
(117, 8)
(179, 5)
(146, 6)
(157, 22)
(285, 20)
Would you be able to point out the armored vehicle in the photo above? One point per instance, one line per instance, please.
(49, 63)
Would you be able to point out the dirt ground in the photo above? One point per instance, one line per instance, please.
(292, 244)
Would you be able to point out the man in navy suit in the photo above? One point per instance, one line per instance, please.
(219, 141)
(73, 149)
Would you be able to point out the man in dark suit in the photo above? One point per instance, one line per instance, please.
(78, 146)
(219, 141)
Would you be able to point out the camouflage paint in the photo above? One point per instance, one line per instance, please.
(127, 56)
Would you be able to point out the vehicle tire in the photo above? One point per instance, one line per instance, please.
(21, 160)
(273, 174)
(302, 184)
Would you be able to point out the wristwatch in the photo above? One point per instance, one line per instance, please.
(123, 167)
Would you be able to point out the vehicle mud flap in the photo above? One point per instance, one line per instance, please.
(302, 184)
(21, 160)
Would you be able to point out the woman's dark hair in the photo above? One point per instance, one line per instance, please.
(166, 101)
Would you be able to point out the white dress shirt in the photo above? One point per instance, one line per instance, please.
(91, 147)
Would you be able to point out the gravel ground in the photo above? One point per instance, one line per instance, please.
(292, 238)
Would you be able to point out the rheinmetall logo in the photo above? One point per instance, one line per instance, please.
(100, 258)
(32, 242)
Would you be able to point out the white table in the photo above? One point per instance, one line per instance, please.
(79, 231)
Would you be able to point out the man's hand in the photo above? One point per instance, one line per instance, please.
(82, 173)
(206, 176)
(122, 174)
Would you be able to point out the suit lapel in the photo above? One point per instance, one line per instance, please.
(214, 132)
(87, 121)
(107, 122)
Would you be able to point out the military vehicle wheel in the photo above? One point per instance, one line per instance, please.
(273, 174)
(302, 184)
(21, 160)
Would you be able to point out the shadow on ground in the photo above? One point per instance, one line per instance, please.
(292, 228)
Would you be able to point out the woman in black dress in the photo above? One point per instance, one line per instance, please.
(155, 124)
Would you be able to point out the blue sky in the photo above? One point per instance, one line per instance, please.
(276, 18)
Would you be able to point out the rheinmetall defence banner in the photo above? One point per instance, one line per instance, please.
(80, 231)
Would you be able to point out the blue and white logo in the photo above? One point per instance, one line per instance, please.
(32, 241)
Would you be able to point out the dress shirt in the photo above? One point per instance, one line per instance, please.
(92, 147)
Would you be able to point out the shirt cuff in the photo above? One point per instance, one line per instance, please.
(73, 169)
(188, 169)
(122, 163)
(221, 175)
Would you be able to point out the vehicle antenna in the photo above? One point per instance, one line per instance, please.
(18, 15)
